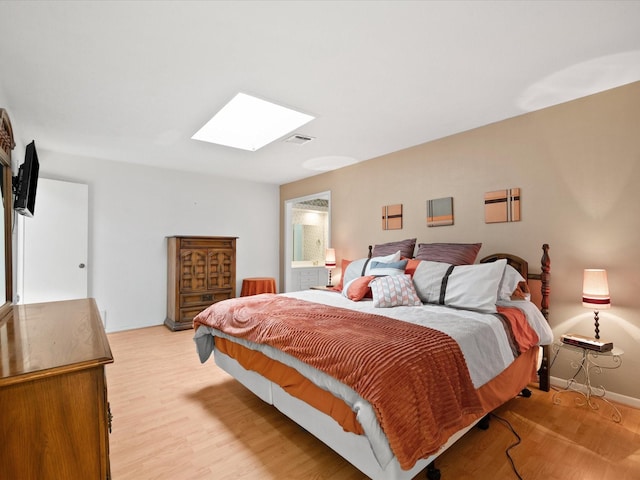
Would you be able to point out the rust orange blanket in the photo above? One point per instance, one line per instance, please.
(415, 378)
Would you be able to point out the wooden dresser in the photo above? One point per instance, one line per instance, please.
(54, 415)
(201, 271)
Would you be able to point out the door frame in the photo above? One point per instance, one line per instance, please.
(288, 234)
(20, 247)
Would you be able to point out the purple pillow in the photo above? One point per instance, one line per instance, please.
(452, 253)
(406, 248)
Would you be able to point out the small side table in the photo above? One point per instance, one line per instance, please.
(257, 285)
(324, 287)
(590, 361)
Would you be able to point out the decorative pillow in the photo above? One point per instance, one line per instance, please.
(474, 287)
(521, 292)
(511, 278)
(452, 253)
(380, 269)
(361, 267)
(339, 286)
(393, 291)
(412, 264)
(358, 288)
(406, 248)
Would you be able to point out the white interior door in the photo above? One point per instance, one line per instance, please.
(53, 244)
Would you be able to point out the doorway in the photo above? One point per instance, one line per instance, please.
(53, 244)
(307, 236)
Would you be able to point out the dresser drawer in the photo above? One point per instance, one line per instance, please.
(190, 310)
(207, 298)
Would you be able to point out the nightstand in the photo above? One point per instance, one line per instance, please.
(323, 287)
(588, 362)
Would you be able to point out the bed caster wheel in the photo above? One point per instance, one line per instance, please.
(526, 393)
(432, 472)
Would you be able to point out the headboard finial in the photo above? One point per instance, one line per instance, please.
(545, 289)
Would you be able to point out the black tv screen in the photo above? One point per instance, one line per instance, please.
(27, 182)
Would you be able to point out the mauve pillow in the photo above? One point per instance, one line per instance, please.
(452, 253)
(406, 248)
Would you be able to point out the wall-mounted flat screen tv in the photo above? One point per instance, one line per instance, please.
(26, 183)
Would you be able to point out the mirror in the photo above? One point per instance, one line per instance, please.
(3, 260)
(6, 257)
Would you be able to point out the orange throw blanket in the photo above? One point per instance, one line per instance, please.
(415, 378)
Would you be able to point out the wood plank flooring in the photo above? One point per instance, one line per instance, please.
(177, 419)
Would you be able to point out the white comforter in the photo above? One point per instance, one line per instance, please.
(478, 334)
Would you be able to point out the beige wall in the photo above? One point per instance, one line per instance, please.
(578, 165)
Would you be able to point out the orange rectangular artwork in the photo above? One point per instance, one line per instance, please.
(502, 206)
(392, 217)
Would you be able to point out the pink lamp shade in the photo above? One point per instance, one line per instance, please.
(595, 289)
(330, 258)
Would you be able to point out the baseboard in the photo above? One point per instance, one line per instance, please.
(616, 397)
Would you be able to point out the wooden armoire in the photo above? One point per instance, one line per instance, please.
(201, 271)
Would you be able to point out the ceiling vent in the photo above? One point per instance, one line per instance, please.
(299, 139)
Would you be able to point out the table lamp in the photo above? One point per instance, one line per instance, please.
(330, 262)
(595, 293)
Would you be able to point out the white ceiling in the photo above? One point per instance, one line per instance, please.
(133, 81)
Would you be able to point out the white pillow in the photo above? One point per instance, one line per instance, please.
(474, 287)
(394, 257)
(380, 269)
(510, 280)
(393, 291)
(355, 268)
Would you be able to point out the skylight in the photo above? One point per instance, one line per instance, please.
(250, 123)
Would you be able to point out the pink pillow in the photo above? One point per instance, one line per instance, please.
(359, 288)
(412, 264)
(345, 264)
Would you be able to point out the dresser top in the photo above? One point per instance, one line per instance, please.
(50, 338)
(204, 237)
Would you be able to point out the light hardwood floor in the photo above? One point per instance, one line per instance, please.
(177, 419)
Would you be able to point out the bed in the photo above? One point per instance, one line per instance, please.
(390, 389)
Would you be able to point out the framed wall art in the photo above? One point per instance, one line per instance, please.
(392, 217)
(440, 212)
(502, 206)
